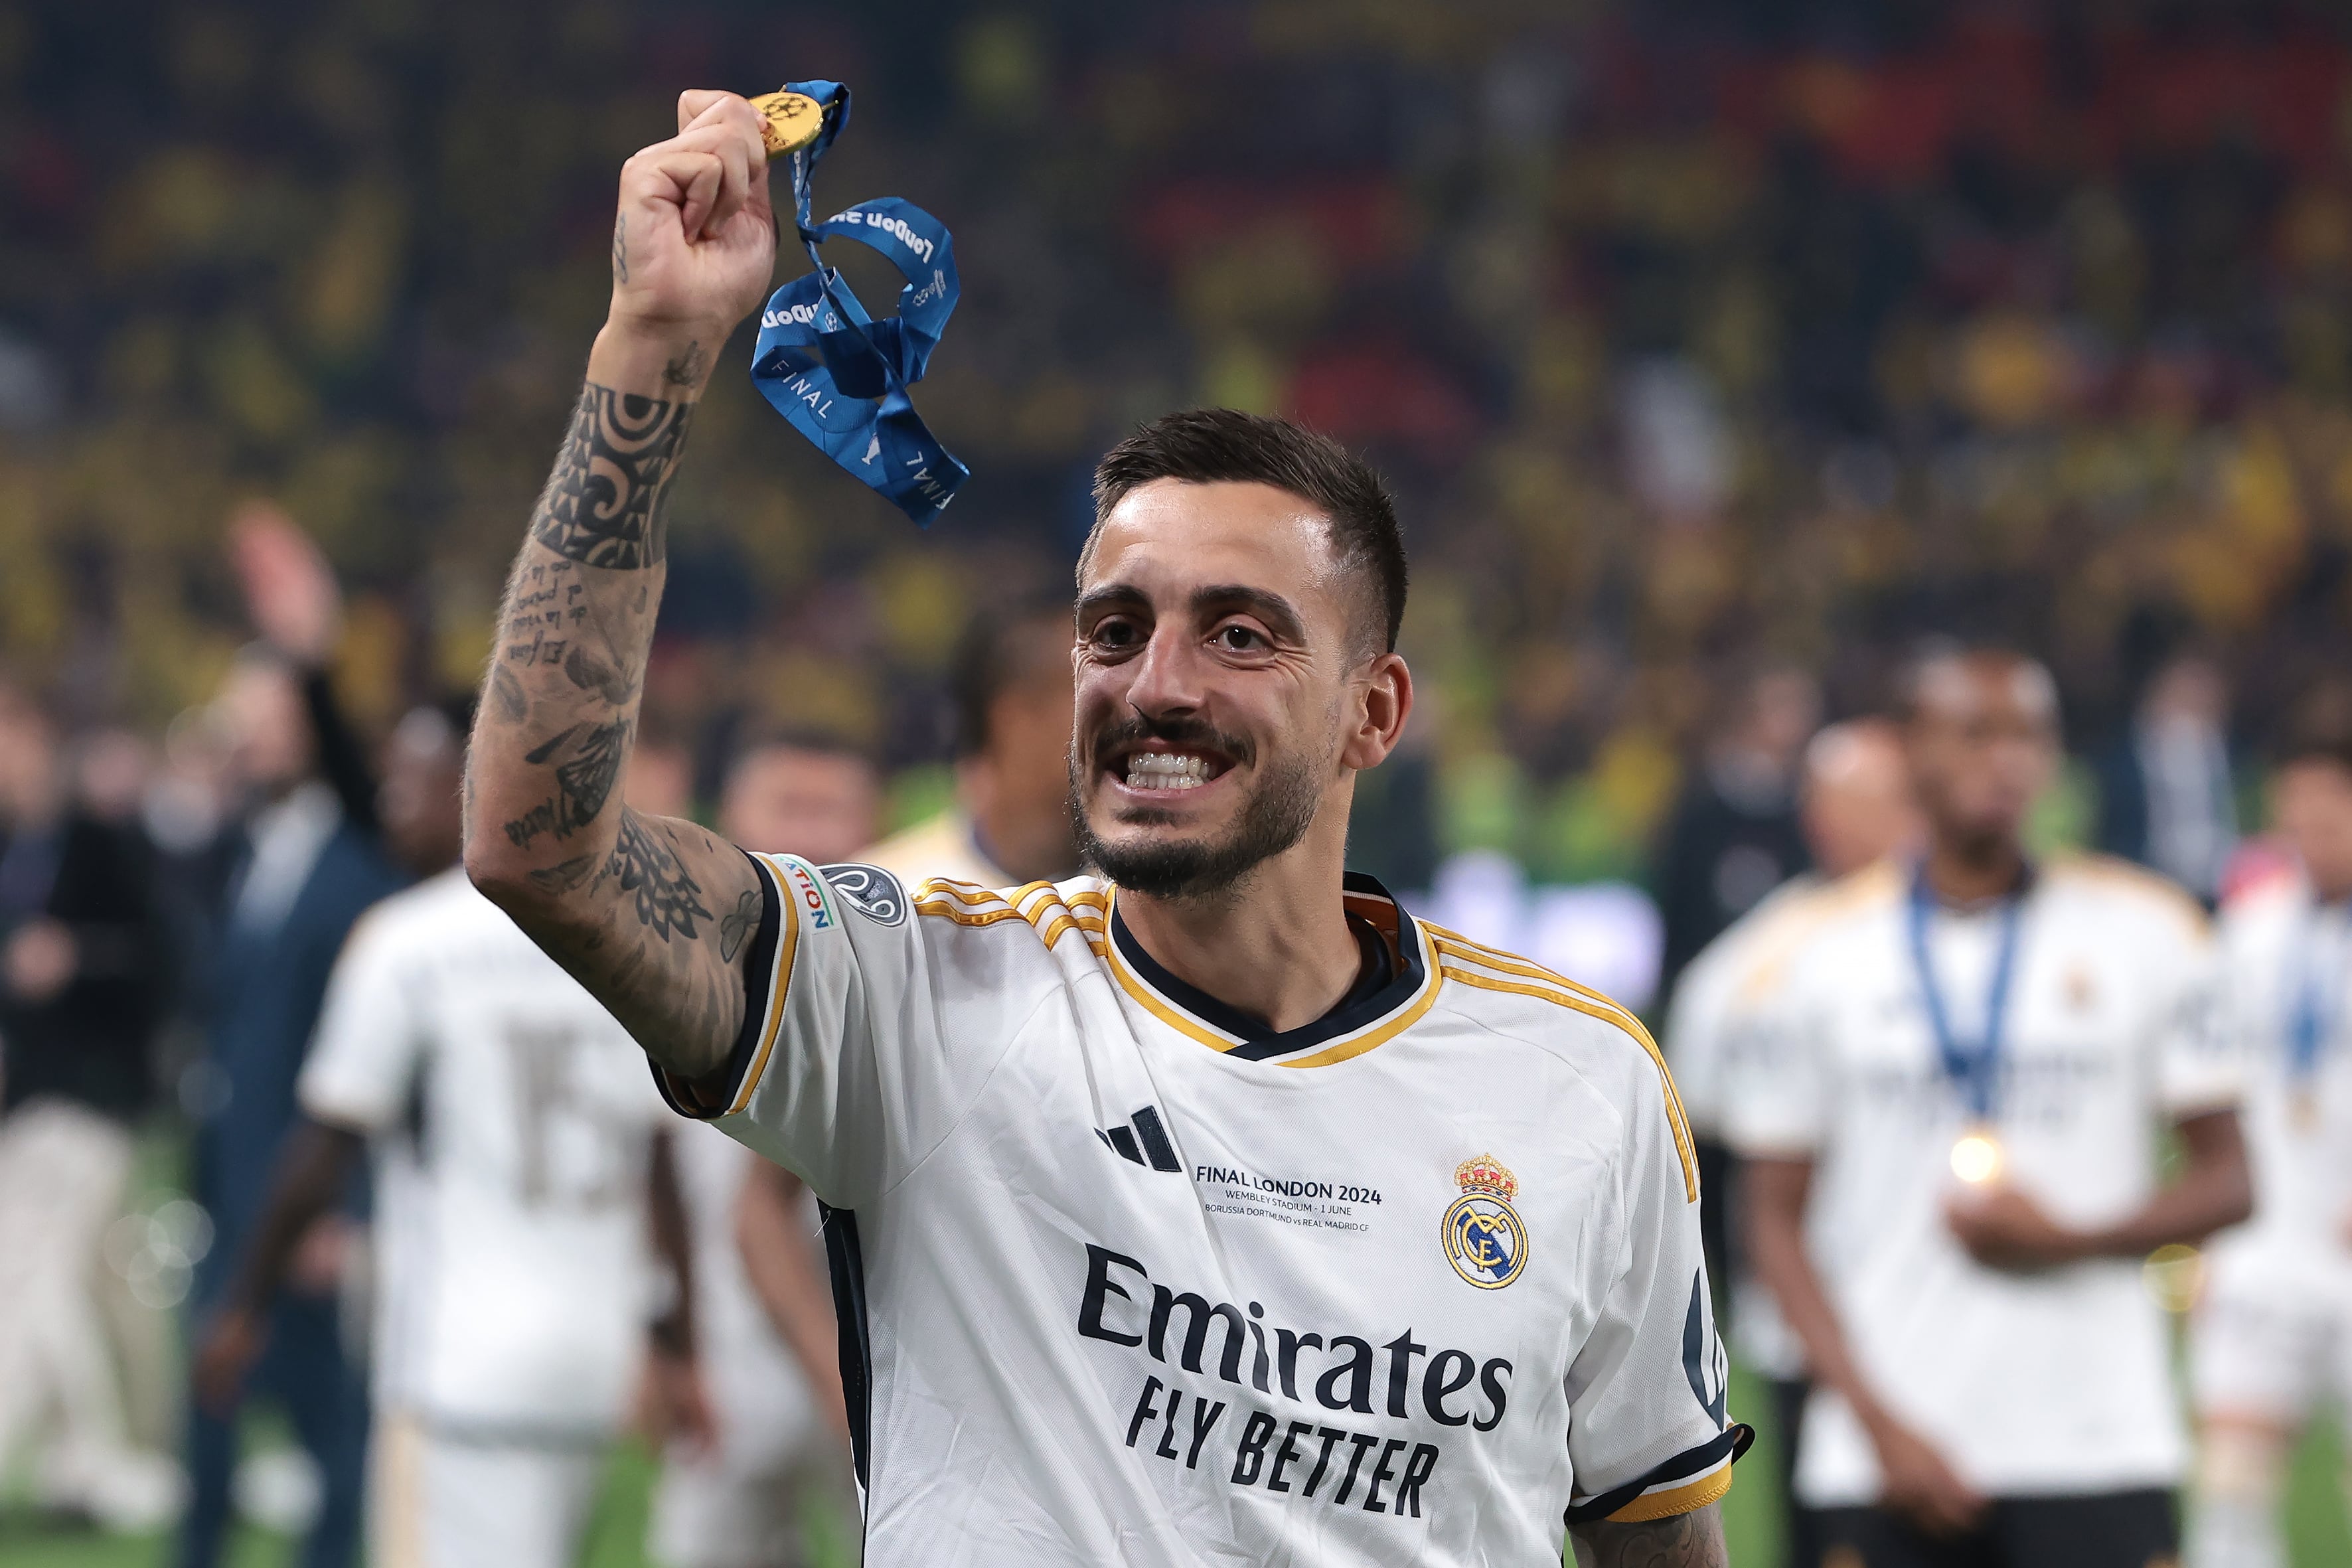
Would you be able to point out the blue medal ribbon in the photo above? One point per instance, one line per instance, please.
(1973, 1065)
(836, 372)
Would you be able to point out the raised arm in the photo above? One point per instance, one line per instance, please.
(650, 913)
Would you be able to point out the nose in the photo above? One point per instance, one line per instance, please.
(1165, 677)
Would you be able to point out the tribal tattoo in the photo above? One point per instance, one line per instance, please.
(601, 506)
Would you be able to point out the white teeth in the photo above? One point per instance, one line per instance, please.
(1166, 769)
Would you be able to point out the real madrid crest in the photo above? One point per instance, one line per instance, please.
(1484, 1238)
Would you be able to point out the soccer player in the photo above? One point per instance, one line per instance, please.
(1854, 806)
(1210, 1210)
(515, 1142)
(1950, 1126)
(761, 1312)
(2273, 1332)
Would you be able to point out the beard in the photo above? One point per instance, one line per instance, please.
(1274, 815)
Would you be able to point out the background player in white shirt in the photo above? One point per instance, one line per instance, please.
(515, 1144)
(2273, 1333)
(1855, 807)
(1010, 820)
(1987, 1364)
(1424, 1213)
(763, 1318)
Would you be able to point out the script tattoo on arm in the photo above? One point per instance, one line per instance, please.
(1693, 1540)
(628, 902)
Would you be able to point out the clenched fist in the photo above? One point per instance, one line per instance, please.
(694, 247)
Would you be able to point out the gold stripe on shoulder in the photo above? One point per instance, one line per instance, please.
(1555, 988)
(968, 917)
(961, 892)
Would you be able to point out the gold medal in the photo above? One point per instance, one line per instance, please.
(1976, 1157)
(788, 121)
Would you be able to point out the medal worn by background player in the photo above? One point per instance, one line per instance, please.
(1986, 1363)
(1137, 1195)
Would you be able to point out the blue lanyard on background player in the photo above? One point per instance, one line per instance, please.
(2312, 1017)
(838, 375)
(1973, 1065)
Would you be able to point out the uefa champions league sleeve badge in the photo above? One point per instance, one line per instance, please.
(1484, 1238)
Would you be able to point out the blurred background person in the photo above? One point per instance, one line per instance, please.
(1855, 809)
(83, 971)
(1735, 834)
(304, 861)
(2167, 790)
(1683, 328)
(2275, 1327)
(1948, 1123)
(1734, 837)
(1010, 824)
(776, 1466)
(522, 1158)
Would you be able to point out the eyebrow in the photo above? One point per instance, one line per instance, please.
(1276, 611)
(1279, 613)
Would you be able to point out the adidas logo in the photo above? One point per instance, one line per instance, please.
(1146, 1143)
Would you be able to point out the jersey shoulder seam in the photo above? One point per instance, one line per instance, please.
(1508, 973)
(2123, 876)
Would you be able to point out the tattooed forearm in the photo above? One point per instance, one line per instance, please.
(627, 904)
(621, 247)
(1693, 1540)
(601, 506)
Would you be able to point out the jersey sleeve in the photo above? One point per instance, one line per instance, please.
(1776, 1095)
(368, 1044)
(844, 1072)
(1649, 1435)
(2199, 1062)
(1695, 1032)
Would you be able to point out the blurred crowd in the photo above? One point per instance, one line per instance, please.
(1718, 350)
(1694, 335)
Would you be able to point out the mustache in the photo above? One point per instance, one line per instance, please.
(1179, 732)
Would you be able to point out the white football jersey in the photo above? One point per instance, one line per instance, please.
(2277, 945)
(511, 1124)
(1712, 1017)
(1713, 997)
(2031, 1384)
(1127, 1280)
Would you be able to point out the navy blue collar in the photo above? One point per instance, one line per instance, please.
(1392, 976)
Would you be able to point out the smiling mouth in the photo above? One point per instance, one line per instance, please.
(1164, 772)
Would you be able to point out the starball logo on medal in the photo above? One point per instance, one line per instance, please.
(1484, 1238)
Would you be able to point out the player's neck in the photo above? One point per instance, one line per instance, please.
(1278, 950)
(1964, 871)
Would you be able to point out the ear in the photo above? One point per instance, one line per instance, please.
(1381, 708)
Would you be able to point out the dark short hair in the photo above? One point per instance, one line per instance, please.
(1210, 446)
(1000, 649)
